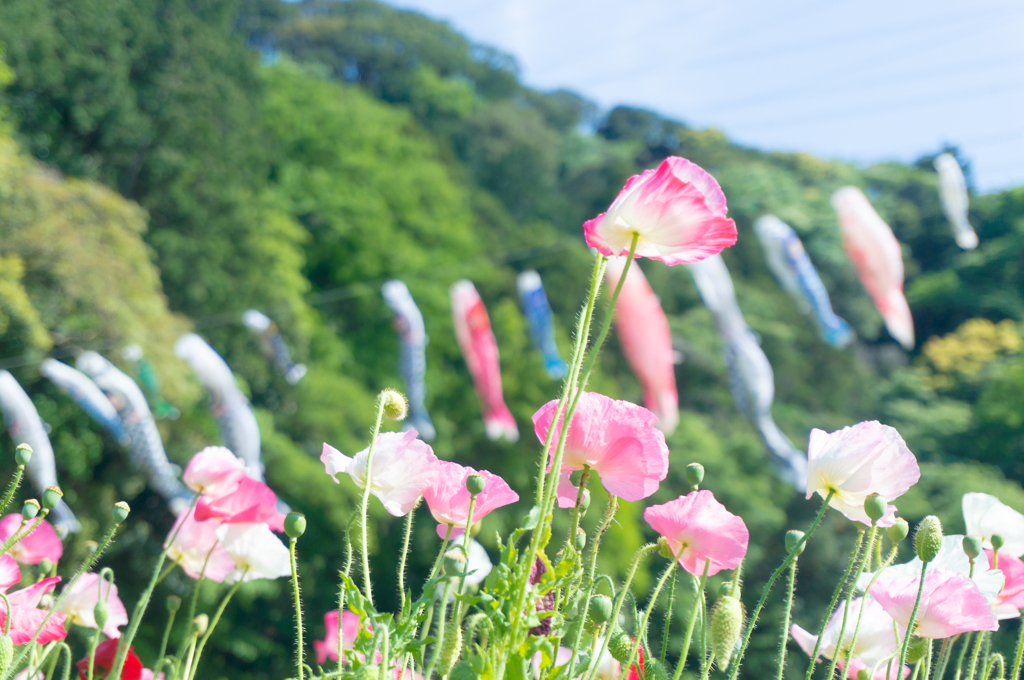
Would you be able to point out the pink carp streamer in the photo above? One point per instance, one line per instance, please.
(480, 350)
(876, 255)
(643, 332)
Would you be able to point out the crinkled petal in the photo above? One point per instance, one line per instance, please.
(701, 530)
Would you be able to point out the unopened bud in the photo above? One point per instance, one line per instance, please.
(997, 542)
(394, 404)
(581, 539)
(694, 475)
(475, 484)
(794, 541)
(585, 503)
(30, 509)
(726, 628)
(454, 562)
(101, 613)
(619, 646)
(173, 603)
(600, 609)
(863, 674)
(665, 548)
(972, 546)
(6, 653)
(200, 624)
(51, 497)
(898, 531)
(23, 454)
(928, 539)
(875, 507)
(367, 672)
(120, 512)
(294, 524)
(725, 589)
(45, 566)
(917, 649)
(91, 547)
(653, 670)
(451, 649)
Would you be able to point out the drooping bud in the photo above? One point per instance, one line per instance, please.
(653, 670)
(30, 509)
(45, 566)
(91, 546)
(200, 624)
(120, 512)
(928, 539)
(475, 484)
(898, 531)
(581, 539)
(725, 589)
(726, 628)
(294, 524)
(23, 454)
(795, 542)
(997, 542)
(600, 609)
(394, 404)
(863, 674)
(619, 646)
(173, 603)
(972, 546)
(101, 613)
(694, 475)
(665, 549)
(51, 497)
(917, 649)
(454, 562)
(6, 653)
(451, 649)
(875, 507)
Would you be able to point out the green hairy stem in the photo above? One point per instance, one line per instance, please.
(364, 502)
(913, 619)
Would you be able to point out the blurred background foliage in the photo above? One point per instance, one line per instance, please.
(165, 165)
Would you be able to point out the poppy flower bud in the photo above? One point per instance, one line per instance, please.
(794, 541)
(664, 549)
(654, 670)
(30, 509)
(917, 649)
(454, 562)
(898, 531)
(51, 497)
(368, 672)
(23, 454)
(294, 524)
(451, 650)
(45, 566)
(200, 624)
(120, 512)
(585, 503)
(619, 646)
(694, 475)
(394, 404)
(725, 589)
(928, 539)
(581, 539)
(6, 653)
(101, 613)
(475, 484)
(726, 628)
(972, 546)
(863, 674)
(600, 609)
(91, 546)
(997, 542)
(173, 603)
(875, 507)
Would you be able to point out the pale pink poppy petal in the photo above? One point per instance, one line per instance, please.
(328, 647)
(252, 502)
(678, 210)
(334, 461)
(986, 515)
(700, 530)
(566, 493)
(30, 596)
(214, 471)
(257, 552)
(951, 604)
(42, 544)
(80, 604)
(1010, 600)
(402, 467)
(25, 621)
(10, 572)
(616, 439)
(196, 549)
(876, 639)
(448, 498)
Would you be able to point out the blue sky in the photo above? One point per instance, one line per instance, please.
(861, 81)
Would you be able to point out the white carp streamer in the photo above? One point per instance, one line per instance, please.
(953, 193)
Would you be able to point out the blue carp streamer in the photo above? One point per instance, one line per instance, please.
(231, 409)
(145, 447)
(86, 394)
(26, 427)
(786, 257)
(542, 327)
(272, 345)
(412, 356)
(751, 379)
(146, 375)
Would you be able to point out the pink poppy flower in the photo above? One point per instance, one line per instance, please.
(195, 546)
(257, 552)
(42, 544)
(951, 603)
(402, 467)
(616, 439)
(699, 529)
(448, 498)
(26, 617)
(252, 502)
(1010, 599)
(857, 461)
(985, 515)
(80, 603)
(328, 647)
(876, 639)
(214, 471)
(678, 210)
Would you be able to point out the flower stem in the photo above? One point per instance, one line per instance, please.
(364, 502)
(405, 554)
(669, 570)
(697, 609)
(836, 594)
(18, 535)
(298, 606)
(439, 642)
(978, 641)
(771, 581)
(1018, 653)
(213, 624)
(668, 617)
(92, 653)
(944, 653)
(882, 566)
(913, 616)
(12, 488)
(996, 658)
(165, 639)
(872, 534)
(786, 619)
(963, 655)
(575, 524)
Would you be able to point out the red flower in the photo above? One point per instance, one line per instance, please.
(105, 653)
